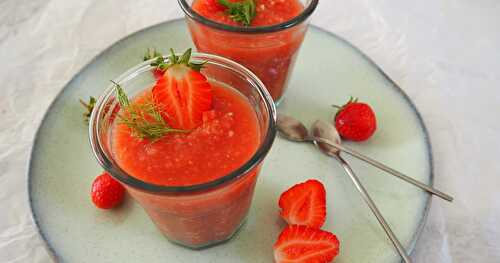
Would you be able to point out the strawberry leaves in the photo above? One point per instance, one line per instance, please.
(151, 53)
(162, 64)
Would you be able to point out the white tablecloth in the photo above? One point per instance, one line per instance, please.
(443, 53)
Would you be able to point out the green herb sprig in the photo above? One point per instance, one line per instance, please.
(241, 12)
(89, 107)
(143, 118)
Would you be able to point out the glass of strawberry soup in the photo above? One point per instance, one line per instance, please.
(187, 144)
(263, 35)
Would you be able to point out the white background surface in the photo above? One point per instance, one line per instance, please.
(443, 53)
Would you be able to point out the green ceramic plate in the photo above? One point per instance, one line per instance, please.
(62, 166)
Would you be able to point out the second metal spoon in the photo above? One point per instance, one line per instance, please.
(325, 130)
(294, 130)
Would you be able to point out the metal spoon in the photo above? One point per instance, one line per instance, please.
(321, 129)
(294, 130)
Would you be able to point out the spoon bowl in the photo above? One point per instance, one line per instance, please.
(322, 131)
(326, 137)
(292, 129)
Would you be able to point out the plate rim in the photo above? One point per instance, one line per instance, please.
(51, 250)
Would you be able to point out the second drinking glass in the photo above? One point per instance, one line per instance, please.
(269, 50)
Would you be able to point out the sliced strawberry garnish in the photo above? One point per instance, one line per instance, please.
(183, 93)
(158, 73)
(304, 204)
(302, 244)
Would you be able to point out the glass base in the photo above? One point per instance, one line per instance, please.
(212, 243)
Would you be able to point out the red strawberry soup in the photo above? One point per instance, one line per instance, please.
(227, 138)
(270, 55)
(268, 12)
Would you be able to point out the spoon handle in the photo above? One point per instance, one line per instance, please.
(388, 169)
(373, 207)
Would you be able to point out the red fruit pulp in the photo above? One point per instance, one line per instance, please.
(210, 151)
(228, 138)
(268, 12)
(269, 55)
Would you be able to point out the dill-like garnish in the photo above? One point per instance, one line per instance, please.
(143, 118)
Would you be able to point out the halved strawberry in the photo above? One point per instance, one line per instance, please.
(183, 93)
(302, 244)
(157, 73)
(304, 204)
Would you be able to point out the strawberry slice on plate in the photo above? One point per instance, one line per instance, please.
(302, 244)
(304, 204)
(182, 94)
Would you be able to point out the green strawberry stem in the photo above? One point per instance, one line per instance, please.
(340, 108)
(151, 53)
(162, 64)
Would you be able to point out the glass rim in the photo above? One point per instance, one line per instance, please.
(250, 30)
(119, 174)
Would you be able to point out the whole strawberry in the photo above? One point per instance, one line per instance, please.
(355, 121)
(106, 192)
